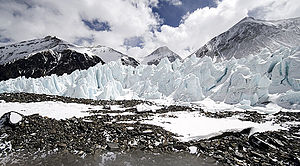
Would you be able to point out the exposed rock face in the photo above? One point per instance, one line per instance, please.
(156, 56)
(51, 55)
(250, 36)
(24, 49)
(129, 61)
(47, 63)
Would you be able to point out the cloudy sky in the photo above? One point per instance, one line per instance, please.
(134, 27)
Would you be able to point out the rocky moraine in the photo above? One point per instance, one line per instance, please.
(122, 131)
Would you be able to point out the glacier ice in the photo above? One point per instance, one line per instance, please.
(247, 80)
(290, 100)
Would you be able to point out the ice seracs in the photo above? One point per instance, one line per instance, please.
(249, 81)
(290, 100)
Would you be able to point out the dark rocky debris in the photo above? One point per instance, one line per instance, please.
(102, 133)
(31, 97)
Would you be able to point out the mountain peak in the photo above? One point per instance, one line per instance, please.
(52, 55)
(13, 52)
(160, 50)
(156, 56)
(247, 19)
(49, 37)
(251, 36)
(163, 48)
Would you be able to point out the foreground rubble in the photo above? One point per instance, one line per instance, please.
(106, 131)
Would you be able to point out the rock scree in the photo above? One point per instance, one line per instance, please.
(102, 133)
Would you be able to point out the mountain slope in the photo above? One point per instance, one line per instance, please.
(250, 36)
(108, 54)
(50, 55)
(46, 63)
(156, 56)
(24, 49)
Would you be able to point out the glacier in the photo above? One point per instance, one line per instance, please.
(247, 80)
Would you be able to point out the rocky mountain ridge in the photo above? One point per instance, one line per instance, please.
(51, 55)
(251, 36)
(156, 56)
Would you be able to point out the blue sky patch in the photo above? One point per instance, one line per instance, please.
(82, 40)
(172, 14)
(5, 39)
(97, 25)
(134, 42)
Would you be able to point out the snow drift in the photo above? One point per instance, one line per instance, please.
(249, 79)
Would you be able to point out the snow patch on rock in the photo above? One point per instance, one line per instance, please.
(145, 107)
(15, 117)
(192, 126)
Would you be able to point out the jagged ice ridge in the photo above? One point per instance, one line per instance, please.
(247, 80)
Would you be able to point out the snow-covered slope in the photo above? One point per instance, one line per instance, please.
(156, 56)
(50, 55)
(46, 63)
(256, 80)
(250, 36)
(108, 54)
(24, 49)
(28, 48)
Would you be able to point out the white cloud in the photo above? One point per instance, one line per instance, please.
(279, 9)
(63, 18)
(175, 2)
(200, 26)
(132, 19)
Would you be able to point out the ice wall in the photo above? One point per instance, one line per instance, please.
(247, 79)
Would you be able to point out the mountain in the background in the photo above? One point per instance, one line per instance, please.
(108, 54)
(156, 56)
(250, 36)
(51, 55)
